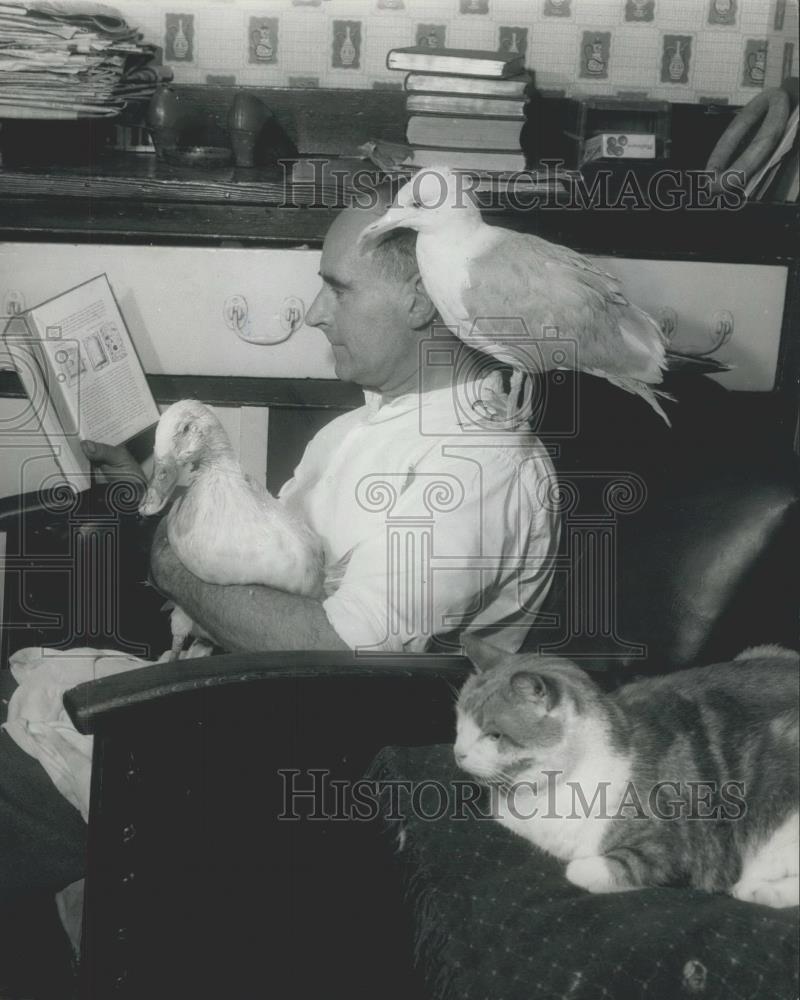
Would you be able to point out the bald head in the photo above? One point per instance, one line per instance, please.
(395, 257)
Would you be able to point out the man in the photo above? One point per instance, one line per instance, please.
(470, 506)
(492, 535)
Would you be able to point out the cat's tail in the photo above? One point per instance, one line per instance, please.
(768, 652)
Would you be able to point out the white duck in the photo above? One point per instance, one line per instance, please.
(225, 528)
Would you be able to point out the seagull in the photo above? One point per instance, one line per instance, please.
(505, 293)
(225, 528)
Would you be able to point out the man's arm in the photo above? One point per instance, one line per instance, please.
(242, 618)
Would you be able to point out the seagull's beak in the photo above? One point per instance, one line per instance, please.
(395, 218)
(162, 485)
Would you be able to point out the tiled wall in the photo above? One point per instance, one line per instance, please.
(677, 50)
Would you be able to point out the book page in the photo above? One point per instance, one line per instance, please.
(20, 347)
(98, 386)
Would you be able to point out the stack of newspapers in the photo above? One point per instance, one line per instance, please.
(71, 59)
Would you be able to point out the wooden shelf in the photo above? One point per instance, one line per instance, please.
(134, 201)
(130, 198)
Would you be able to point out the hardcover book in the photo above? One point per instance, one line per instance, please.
(439, 83)
(77, 364)
(458, 104)
(492, 160)
(471, 62)
(464, 133)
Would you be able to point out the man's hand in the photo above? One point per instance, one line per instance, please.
(165, 567)
(115, 463)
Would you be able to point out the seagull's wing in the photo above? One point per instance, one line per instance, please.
(520, 279)
(635, 338)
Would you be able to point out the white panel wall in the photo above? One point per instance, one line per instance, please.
(173, 299)
(697, 293)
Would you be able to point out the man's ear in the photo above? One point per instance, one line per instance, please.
(422, 311)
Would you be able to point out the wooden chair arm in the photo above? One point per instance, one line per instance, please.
(97, 705)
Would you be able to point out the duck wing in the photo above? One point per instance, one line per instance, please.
(227, 530)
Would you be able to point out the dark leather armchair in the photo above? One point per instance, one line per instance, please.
(201, 883)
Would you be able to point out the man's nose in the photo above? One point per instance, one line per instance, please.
(315, 316)
(460, 757)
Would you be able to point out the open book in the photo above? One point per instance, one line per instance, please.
(77, 363)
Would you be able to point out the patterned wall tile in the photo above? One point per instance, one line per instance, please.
(179, 37)
(754, 64)
(594, 55)
(262, 40)
(676, 59)
(639, 11)
(432, 35)
(722, 12)
(284, 42)
(512, 39)
(346, 45)
(558, 8)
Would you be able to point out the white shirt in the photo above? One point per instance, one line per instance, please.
(431, 522)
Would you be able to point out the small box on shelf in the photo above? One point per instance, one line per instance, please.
(620, 128)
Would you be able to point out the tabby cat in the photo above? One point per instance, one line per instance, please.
(687, 779)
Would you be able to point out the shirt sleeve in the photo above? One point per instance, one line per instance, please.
(446, 542)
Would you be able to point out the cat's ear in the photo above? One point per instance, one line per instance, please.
(534, 688)
(484, 655)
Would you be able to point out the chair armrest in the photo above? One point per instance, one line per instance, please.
(96, 705)
(225, 814)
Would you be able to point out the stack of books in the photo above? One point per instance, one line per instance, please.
(466, 107)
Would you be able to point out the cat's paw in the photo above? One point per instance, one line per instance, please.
(779, 893)
(593, 874)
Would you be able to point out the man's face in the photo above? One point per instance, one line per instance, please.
(363, 312)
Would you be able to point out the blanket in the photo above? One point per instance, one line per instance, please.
(496, 917)
(38, 722)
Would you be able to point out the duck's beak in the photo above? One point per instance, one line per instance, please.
(160, 489)
(396, 217)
